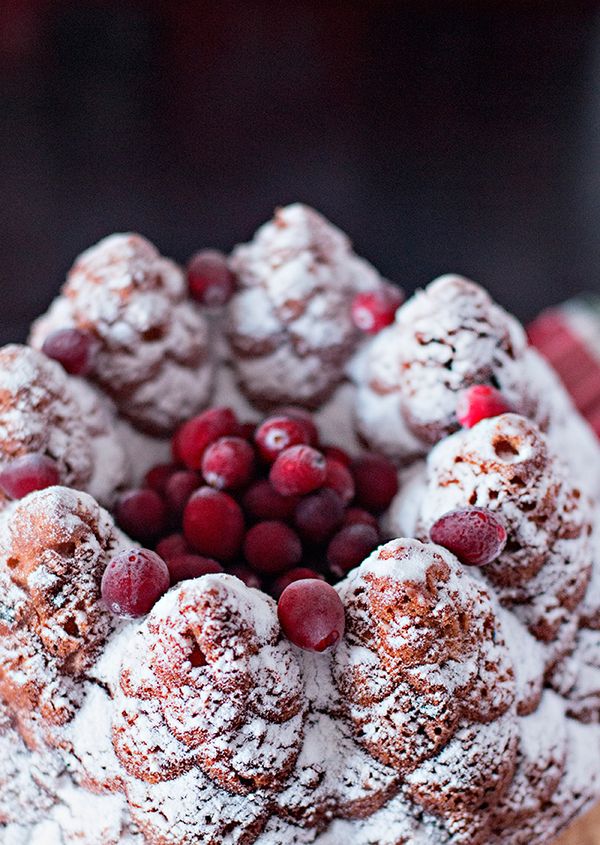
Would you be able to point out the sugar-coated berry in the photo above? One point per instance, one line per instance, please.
(27, 473)
(359, 516)
(247, 575)
(179, 488)
(133, 582)
(480, 402)
(311, 614)
(192, 438)
(228, 463)
(298, 470)
(475, 535)
(210, 280)
(276, 434)
(339, 478)
(305, 417)
(262, 501)
(156, 478)
(376, 480)
(213, 524)
(73, 348)
(141, 513)
(350, 547)
(299, 573)
(337, 454)
(272, 547)
(174, 545)
(186, 566)
(374, 310)
(319, 515)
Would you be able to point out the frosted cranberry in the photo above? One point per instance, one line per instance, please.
(172, 546)
(213, 524)
(475, 535)
(179, 488)
(359, 516)
(298, 470)
(374, 310)
(133, 582)
(311, 614)
(157, 477)
(279, 433)
(339, 478)
(319, 515)
(245, 574)
(228, 463)
(141, 514)
(262, 501)
(351, 546)
(271, 547)
(27, 473)
(337, 454)
(187, 566)
(194, 436)
(376, 480)
(305, 417)
(210, 280)
(73, 348)
(299, 573)
(480, 402)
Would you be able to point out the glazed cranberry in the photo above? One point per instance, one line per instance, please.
(194, 436)
(210, 280)
(376, 480)
(299, 573)
(474, 535)
(351, 546)
(374, 310)
(179, 488)
(245, 574)
(141, 513)
(73, 348)
(157, 477)
(298, 470)
(187, 566)
(277, 434)
(228, 463)
(319, 515)
(311, 614)
(172, 546)
(262, 501)
(339, 478)
(28, 473)
(133, 582)
(305, 417)
(213, 524)
(359, 516)
(271, 547)
(337, 454)
(480, 402)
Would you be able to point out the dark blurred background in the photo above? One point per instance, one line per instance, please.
(441, 136)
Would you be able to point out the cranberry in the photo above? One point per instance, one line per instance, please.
(272, 547)
(194, 436)
(28, 473)
(299, 573)
(245, 574)
(210, 280)
(179, 488)
(317, 516)
(351, 546)
(305, 417)
(337, 454)
(279, 433)
(298, 470)
(133, 582)
(157, 477)
(228, 463)
(374, 310)
(359, 516)
(141, 513)
(376, 480)
(184, 567)
(480, 402)
(474, 535)
(339, 478)
(213, 524)
(311, 614)
(172, 546)
(262, 501)
(73, 348)
(247, 430)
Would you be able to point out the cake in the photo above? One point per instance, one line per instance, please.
(272, 579)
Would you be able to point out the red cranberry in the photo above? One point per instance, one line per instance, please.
(376, 480)
(305, 417)
(228, 463)
(474, 535)
(247, 431)
(337, 454)
(272, 547)
(187, 566)
(172, 546)
(213, 524)
(480, 402)
(141, 514)
(157, 477)
(311, 615)
(351, 546)
(298, 470)
(277, 434)
(339, 478)
(210, 280)
(374, 310)
(299, 573)
(73, 348)
(133, 582)
(194, 436)
(245, 574)
(28, 473)
(319, 515)
(359, 516)
(179, 488)
(262, 501)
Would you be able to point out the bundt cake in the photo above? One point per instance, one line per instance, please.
(300, 569)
